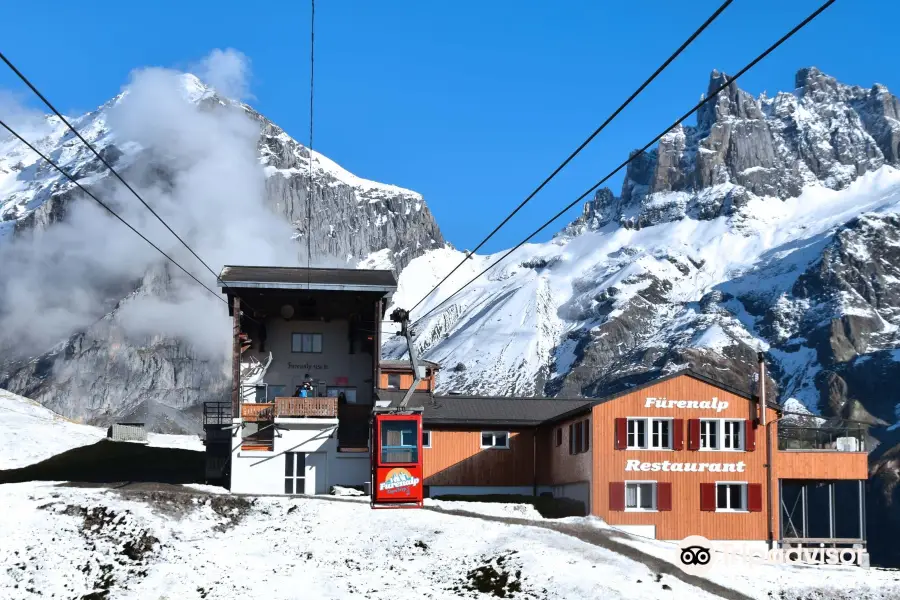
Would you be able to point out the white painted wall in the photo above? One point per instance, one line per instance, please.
(333, 363)
(580, 491)
(262, 473)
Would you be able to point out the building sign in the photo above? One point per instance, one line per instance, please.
(398, 481)
(714, 404)
(678, 467)
(308, 366)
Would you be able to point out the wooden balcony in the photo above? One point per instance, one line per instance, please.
(317, 407)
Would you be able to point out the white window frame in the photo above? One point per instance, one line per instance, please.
(648, 433)
(720, 435)
(312, 336)
(653, 490)
(428, 432)
(494, 434)
(744, 496)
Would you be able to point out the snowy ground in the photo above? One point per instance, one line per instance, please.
(168, 542)
(30, 433)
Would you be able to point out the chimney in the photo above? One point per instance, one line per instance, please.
(761, 357)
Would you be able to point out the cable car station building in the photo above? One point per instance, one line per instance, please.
(681, 455)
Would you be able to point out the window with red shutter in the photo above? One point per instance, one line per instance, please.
(663, 495)
(678, 434)
(616, 495)
(708, 496)
(693, 434)
(621, 433)
(754, 497)
(749, 436)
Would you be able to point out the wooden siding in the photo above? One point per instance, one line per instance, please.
(811, 464)
(685, 518)
(406, 379)
(555, 465)
(457, 458)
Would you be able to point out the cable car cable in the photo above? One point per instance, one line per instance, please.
(108, 209)
(584, 144)
(634, 155)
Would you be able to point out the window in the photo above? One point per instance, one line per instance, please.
(731, 496)
(660, 437)
(708, 435)
(306, 342)
(349, 393)
(426, 439)
(640, 495)
(393, 381)
(721, 434)
(559, 436)
(495, 439)
(637, 433)
(294, 473)
(579, 437)
(398, 442)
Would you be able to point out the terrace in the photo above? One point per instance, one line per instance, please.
(846, 437)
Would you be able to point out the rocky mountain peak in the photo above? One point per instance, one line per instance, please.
(742, 147)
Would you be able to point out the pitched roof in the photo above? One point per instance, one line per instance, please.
(484, 410)
(404, 364)
(365, 280)
(525, 412)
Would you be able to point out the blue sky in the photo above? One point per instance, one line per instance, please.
(470, 103)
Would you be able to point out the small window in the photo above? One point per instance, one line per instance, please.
(580, 434)
(640, 495)
(721, 434)
(393, 381)
(495, 439)
(709, 435)
(294, 473)
(310, 343)
(426, 439)
(659, 438)
(731, 496)
(637, 433)
(398, 442)
(559, 436)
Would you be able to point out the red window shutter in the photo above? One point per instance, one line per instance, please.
(621, 433)
(749, 436)
(663, 495)
(616, 495)
(708, 496)
(678, 434)
(754, 497)
(693, 434)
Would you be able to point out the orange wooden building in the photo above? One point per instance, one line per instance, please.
(682, 455)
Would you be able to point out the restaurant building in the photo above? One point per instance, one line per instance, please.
(677, 456)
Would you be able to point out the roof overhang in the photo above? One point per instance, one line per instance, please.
(322, 287)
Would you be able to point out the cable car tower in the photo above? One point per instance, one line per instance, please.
(396, 434)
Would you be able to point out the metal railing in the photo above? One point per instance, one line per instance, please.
(841, 438)
(217, 413)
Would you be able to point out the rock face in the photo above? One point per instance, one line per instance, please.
(98, 373)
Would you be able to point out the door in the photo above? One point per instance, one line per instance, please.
(316, 473)
(295, 472)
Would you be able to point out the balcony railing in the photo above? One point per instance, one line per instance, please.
(846, 438)
(315, 407)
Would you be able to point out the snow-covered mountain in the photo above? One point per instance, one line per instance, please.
(78, 288)
(770, 225)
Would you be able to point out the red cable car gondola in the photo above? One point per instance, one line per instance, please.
(395, 442)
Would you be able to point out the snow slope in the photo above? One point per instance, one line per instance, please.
(515, 328)
(30, 433)
(69, 542)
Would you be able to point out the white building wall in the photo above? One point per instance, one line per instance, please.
(263, 473)
(331, 366)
